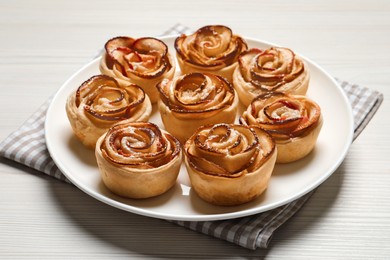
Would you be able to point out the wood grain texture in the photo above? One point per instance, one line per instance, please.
(45, 42)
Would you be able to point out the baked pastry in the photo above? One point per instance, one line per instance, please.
(214, 49)
(100, 102)
(138, 160)
(273, 69)
(142, 61)
(229, 164)
(193, 100)
(294, 121)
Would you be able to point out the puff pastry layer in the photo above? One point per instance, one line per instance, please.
(213, 49)
(138, 159)
(143, 61)
(294, 122)
(274, 69)
(229, 164)
(196, 99)
(100, 102)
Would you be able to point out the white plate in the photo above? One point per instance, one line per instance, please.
(288, 182)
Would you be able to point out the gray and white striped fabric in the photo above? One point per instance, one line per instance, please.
(27, 146)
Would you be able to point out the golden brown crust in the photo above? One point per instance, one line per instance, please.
(211, 49)
(138, 160)
(272, 70)
(196, 99)
(143, 61)
(294, 121)
(229, 164)
(100, 103)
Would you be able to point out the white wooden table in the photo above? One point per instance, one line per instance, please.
(44, 42)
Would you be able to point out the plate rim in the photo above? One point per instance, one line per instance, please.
(205, 217)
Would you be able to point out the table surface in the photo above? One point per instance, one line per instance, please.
(45, 42)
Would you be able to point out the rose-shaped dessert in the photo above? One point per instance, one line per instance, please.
(143, 61)
(138, 160)
(100, 102)
(229, 164)
(274, 69)
(196, 99)
(212, 49)
(294, 122)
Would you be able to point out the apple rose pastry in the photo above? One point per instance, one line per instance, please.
(138, 160)
(196, 99)
(100, 102)
(143, 61)
(294, 122)
(212, 49)
(229, 164)
(274, 69)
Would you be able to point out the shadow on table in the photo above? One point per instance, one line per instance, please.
(138, 234)
(153, 237)
(316, 208)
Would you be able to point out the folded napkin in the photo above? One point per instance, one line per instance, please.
(27, 146)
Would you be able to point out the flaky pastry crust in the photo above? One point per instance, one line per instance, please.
(294, 122)
(138, 160)
(272, 70)
(196, 99)
(101, 102)
(143, 61)
(211, 49)
(229, 164)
